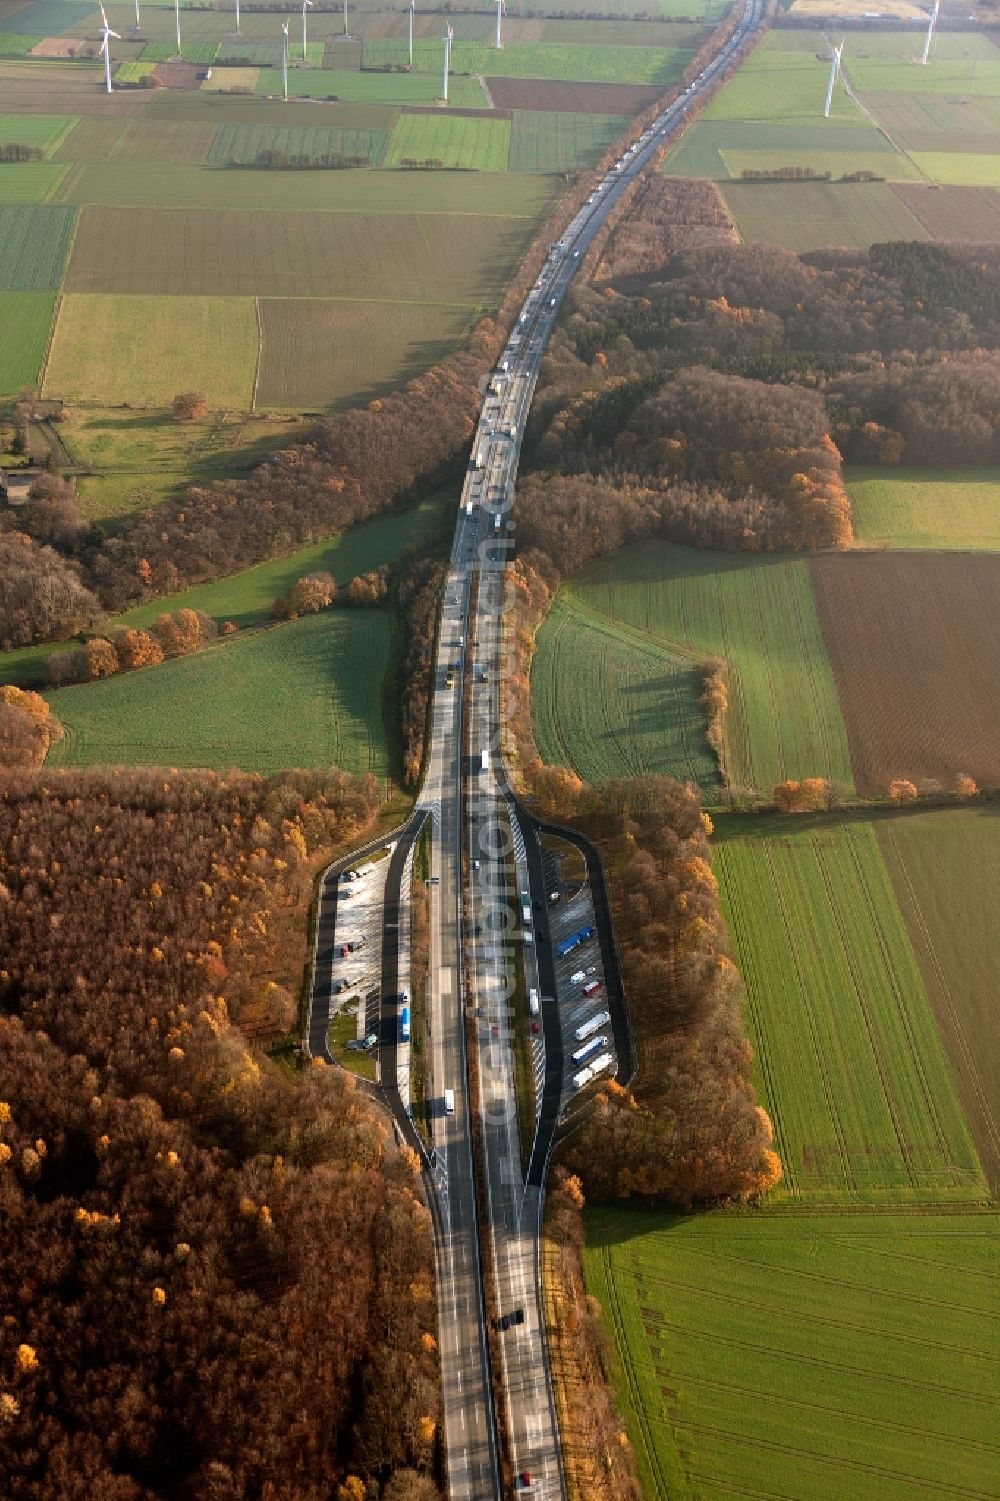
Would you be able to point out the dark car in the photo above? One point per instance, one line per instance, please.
(518, 1315)
(537, 906)
(505, 1322)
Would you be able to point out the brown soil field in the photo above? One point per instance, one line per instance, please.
(968, 215)
(573, 98)
(178, 75)
(68, 90)
(58, 46)
(914, 642)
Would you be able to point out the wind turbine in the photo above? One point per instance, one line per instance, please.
(448, 38)
(834, 75)
(306, 4)
(930, 31)
(177, 22)
(346, 32)
(237, 17)
(500, 10)
(106, 35)
(284, 59)
(138, 25)
(411, 36)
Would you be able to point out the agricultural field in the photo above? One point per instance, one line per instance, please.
(959, 214)
(163, 346)
(30, 182)
(598, 63)
(805, 216)
(706, 148)
(850, 1066)
(25, 318)
(44, 131)
(174, 141)
(945, 870)
(914, 639)
(307, 693)
(319, 354)
(352, 86)
(783, 80)
(34, 241)
(759, 614)
(825, 1356)
(552, 142)
(554, 97)
(943, 509)
(243, 143)
(426, 258)
(454, 140)
(646, 718)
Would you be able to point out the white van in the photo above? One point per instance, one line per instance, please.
(533, 1002)
(449, 1102)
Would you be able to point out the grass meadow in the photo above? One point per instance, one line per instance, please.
(597, 63)
(646, 718)
(943, 509)
(945, 871)
(795, 1355)
(546, 141)
(25, 318)
(757, 613)
(307, 693)
(776, 83)
(454, 140)
(849, 1062)
(163, 345)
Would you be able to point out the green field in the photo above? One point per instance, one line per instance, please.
(34, 239)
(807, 215)
(759, 614)
(891, 166)
(777, 84)
(550, 141)
(706, 148)
(320, 354)
(582, 63)
(959, 168)
(412, 194)
(46, 17)
(307, 693)
(242, 143)
(191, 51)
(646, 717)
(30, 182)
(43, 131)
(846, 1357)
(378, 88)
(162, 345)
(926, 508)
(25, 318)
(945, 869)
(454, 140)
(164, 141)
(850, 1064)
(134, 72)
(16, 44)
(268, 54)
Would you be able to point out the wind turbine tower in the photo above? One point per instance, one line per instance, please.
(411, 36)
(931, 27)
(177, 24)
(137, 22)
(834, 75)
(447, 39)
(106, 35)
(237, 17)
(346, 32)
(500, 10)
(284, 59)
(306, 5)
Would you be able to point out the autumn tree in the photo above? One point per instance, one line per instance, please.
(136, 648)
(100, 659)
(27, 728)
(966, 787)
(310, 593)
(902, 791)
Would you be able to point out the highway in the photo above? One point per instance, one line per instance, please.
(483, 847)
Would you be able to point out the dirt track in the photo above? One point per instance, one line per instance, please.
(914, 641)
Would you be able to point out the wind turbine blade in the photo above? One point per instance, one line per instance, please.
(115, 34)
(104, 19)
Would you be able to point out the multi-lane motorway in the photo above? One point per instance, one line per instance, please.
(479, 857)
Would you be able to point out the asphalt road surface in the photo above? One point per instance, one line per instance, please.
(474, 799)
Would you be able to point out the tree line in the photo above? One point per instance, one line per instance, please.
(218, 1276)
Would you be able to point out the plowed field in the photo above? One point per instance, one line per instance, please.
(914, 640)
(963, 214)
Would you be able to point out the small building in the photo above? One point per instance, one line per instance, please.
(15, 485)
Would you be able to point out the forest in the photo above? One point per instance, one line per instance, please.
(710, 399)
(217, 1279)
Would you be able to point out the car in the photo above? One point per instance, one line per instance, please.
(538, 906)
(476, 864)
(518, 1315)
(525, 1479)
(576, 255)
(505, 1322)
(495, 1029)
(536, 1027)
